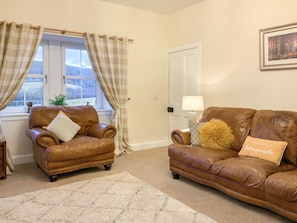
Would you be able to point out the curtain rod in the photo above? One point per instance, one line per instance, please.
(66, 32)
(74, 33)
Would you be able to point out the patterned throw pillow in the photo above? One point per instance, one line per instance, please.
(194, 129)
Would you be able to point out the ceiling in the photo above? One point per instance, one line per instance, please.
(158, 6)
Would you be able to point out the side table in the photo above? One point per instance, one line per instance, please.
(3, 160)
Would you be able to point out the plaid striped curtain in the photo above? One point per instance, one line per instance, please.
(108, 57)
(18, 46)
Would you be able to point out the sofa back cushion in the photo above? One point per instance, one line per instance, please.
(280, 126)
(239, 119)
(84, 116)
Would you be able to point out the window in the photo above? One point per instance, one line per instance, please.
(61, 66)
(81, 86)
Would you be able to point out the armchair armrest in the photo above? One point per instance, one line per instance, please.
(100, 130)
(181, 136)
(42, 137)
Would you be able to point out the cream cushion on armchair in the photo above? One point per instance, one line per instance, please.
(63, 127)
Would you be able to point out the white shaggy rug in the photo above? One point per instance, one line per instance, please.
(119, 198)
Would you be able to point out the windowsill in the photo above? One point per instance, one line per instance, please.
(103, 110)
(24, 115)
(13, 116)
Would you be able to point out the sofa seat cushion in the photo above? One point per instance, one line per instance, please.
(248, 171)
(283, 185)
(80, 146)
(198, 157)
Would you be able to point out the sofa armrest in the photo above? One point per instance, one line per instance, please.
(181, 136)
(100, 130)
(42, 137)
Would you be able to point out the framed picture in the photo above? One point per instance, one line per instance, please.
(278, 47)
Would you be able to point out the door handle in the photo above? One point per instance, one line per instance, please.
(170, 109)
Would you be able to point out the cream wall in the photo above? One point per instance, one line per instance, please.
(147, 62)
(229, 34)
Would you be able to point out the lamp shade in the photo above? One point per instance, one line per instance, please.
(192, 103)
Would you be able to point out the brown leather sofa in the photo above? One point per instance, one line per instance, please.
(92, 146)
(252, 180)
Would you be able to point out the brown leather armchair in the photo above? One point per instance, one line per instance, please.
(92, 146)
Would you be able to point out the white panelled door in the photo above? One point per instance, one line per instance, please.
(184, 79)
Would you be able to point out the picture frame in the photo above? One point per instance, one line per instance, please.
(278, 47)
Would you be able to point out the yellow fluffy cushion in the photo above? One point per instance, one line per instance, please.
(269, 150)
(216, 134)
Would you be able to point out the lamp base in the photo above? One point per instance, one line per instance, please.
(193, 116)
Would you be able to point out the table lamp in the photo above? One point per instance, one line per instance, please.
(192, 104)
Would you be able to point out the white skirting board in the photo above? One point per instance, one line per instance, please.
(149, 145)
(27, 158)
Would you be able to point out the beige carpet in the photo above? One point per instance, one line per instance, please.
(119, 197)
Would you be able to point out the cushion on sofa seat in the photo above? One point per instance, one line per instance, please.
(239, 119)
(248, 171)
(216, 134)
(197, 156)
(283, 185)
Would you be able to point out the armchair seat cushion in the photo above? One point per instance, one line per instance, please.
(88, 146)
